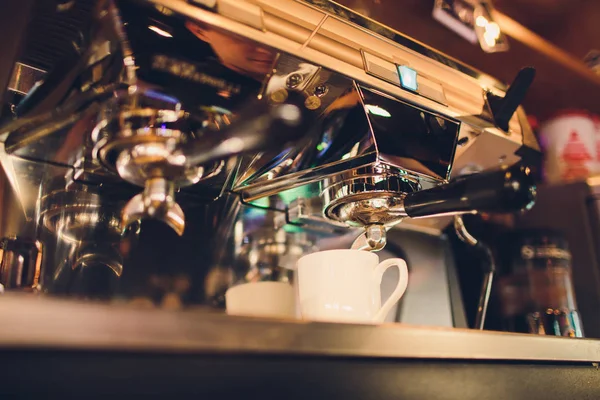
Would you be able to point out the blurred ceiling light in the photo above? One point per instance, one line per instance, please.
(489, 38)
(159, 31)
(481, 21)
(472, 19)
(493, 29)
(488, 32)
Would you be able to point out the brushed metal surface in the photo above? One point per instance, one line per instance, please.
(38, 322)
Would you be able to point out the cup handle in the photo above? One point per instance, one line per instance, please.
(400, 287)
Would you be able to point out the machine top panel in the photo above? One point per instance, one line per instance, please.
(339, 11)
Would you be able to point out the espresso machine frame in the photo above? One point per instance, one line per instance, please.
(105, 348)
(333, 115)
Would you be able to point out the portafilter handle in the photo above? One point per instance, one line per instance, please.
(260, 126)
(507, 190)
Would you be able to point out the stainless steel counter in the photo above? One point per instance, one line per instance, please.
(29, 322)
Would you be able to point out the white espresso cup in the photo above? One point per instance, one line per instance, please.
(261, 299)
(345, 286)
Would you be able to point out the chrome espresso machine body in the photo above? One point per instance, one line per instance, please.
(191, 145)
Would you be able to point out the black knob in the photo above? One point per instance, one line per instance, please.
(507, 190)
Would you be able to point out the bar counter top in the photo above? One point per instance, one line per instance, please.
(37, 322)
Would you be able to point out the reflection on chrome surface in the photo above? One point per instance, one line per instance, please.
(183, 146)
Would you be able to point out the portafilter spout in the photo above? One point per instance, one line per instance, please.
(156, 201)
(374, 238)
(506, 190)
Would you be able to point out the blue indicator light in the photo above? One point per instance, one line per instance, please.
(408, 78)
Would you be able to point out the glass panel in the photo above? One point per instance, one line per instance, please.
(411, 137)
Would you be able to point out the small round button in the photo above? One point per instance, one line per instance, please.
(321, 90)
(279, 96)
(312, 102)
(294, 80)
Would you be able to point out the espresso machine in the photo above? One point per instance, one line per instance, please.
(175, 148)
(187, 146)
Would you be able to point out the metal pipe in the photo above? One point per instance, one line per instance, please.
(486, 292)
(486, 287)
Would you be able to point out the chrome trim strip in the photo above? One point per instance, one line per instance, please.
(314, 32)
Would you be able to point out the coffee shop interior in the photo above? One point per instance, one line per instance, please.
(357, 199)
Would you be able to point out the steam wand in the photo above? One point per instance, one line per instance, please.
(486, 287)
